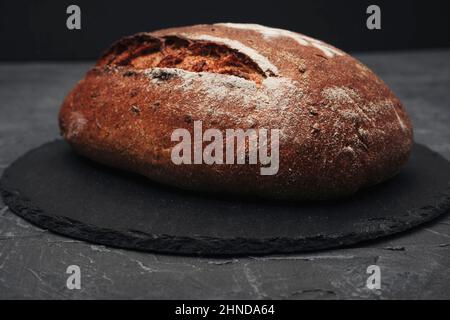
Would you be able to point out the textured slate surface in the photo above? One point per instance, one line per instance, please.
(33, 262)
(87, 201)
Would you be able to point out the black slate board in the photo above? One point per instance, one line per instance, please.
(57, 190)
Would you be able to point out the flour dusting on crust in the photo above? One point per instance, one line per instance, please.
(303, 40)
(274, 92)
(76, 124)
(339, 94)
(400, 121)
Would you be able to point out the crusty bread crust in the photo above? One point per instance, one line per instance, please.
(342, 128)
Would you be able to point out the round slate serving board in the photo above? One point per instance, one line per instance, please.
(57, 190)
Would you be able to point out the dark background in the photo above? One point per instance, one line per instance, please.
(36, 30)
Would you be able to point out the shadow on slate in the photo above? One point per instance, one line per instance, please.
(57, 190)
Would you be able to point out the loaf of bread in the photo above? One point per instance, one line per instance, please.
(340, 128)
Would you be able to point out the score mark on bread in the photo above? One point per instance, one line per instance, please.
(195, 53)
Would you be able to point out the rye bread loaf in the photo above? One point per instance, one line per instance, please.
(341, 127)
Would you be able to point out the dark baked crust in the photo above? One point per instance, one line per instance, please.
(342, 127)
